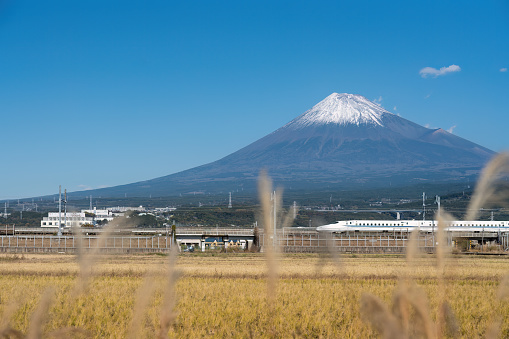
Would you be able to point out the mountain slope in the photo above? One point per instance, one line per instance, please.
(343, 141)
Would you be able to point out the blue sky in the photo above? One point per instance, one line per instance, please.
(102, 93)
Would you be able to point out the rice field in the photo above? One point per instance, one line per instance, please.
(227, 295)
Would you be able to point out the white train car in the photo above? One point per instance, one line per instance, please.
(412, 225)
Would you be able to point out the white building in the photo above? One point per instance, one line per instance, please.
(68, 219)
(79, 219)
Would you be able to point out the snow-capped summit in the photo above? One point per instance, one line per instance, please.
(342, 109)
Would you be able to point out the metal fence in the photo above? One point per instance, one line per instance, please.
(87, 243)
(293, 241)
(318, 242)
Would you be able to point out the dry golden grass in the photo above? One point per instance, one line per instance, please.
(226, 295)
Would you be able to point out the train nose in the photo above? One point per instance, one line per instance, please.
(325, 228)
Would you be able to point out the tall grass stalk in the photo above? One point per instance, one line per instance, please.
(491, 190)
(446, 320)
(487, 190)
(88, 258)
(143, 296)
(167, 315)
(379, 316)
(269, 246)
(38, 317)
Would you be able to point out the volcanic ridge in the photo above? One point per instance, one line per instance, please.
(344, 141)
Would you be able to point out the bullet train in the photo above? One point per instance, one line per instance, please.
(411, 225)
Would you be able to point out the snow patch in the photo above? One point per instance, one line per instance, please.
(342, 109)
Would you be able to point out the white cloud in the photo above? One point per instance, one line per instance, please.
(427, 96)
(450, 130)
(503, 70)
(378, 101)
(430, 71)
(395, 108)
(427, 125)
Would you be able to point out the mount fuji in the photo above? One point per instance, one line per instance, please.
(344, 141)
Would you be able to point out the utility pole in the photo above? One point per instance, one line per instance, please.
(423, 206)
(60, 210)
(65, 207)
